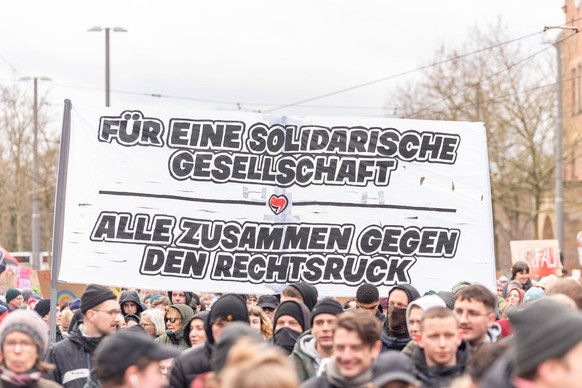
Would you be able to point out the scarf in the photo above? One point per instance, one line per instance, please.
(286, 338)
(334, 377)
(397, 322)
(19, 379)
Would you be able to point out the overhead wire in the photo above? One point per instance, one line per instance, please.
(303, 102)
(456, 57)
(507, 68)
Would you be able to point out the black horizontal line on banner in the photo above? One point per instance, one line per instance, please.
(258, 203)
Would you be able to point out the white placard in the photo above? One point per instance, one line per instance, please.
(244, 202)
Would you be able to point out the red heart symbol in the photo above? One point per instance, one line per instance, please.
(278, 203)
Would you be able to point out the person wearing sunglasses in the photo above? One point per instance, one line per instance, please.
(177, 317)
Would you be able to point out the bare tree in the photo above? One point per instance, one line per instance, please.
(513, 93)
(16, 153)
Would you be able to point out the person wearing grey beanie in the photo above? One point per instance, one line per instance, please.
(23, 343)
(548, 349)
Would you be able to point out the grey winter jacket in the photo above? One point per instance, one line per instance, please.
(305, 357)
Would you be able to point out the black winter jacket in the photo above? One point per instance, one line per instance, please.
(440, 376)
(189, 364)
(72, 359)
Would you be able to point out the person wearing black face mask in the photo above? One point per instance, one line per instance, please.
(395, 333)
(291, 319)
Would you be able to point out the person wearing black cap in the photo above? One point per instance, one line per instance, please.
(195, 361)
(395, 334)
(301, 292)
(396, 368)
(316, 344)
(130, 359)
(72, 356)
(269, 304)
(291, 319)
(42, 308)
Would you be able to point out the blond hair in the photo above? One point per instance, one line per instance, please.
(257, 365)
(266, 325)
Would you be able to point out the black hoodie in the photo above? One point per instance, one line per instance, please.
(130, 296)
(195, 361)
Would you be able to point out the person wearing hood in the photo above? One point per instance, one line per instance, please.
(475, 311)
(194, 333)
(301, 292)
(177, 317)
(442, 355)
(196, 360)
(130, 303)
(395, 334)
(291, 319)
(185, 297)
(414, 313)
(230, 336)
(316, 344)
(515, 296)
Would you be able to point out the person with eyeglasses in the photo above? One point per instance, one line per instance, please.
(475, 311)
(14, 299)
(23, 341)
(152, 320)
(177, 317)
(72, 356)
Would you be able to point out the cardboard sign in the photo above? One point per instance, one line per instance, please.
(66, 292)
(244, 202)
(542, 256)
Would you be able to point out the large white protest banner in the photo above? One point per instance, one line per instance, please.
(245, 202)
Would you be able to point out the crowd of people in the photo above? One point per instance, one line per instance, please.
(528, 335)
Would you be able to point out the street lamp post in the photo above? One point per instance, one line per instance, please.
(107, 74)
(35, 207)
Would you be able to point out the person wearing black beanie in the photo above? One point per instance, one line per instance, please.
(291, 319)
(301, 292)
(72, 356)
(316, 344)
(43, 308)
(194, 361)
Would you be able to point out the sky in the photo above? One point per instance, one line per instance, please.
(252, 55)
